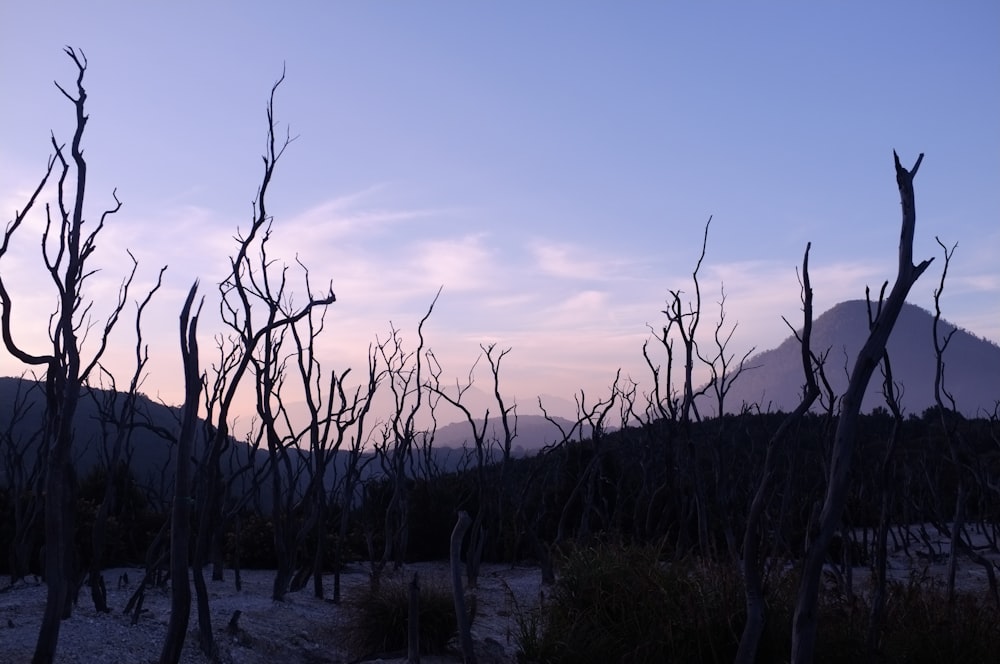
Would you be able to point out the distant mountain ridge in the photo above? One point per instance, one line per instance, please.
(152, 460)
(971, 375)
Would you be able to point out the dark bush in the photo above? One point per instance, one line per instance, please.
(624, 604)
(378, 619)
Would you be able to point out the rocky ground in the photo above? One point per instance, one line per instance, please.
(301, 629)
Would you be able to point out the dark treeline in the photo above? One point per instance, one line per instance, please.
(626, 490)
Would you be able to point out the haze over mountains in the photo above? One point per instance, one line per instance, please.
(774, 381)
(972, 365)
(149, 451)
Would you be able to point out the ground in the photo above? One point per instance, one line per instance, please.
(305, 630)
(301, 629)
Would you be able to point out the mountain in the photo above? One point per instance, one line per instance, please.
(22, 408)
(972, 364)
(533, 433)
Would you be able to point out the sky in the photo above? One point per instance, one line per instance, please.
(551, 166)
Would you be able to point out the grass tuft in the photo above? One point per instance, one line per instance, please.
(377, 621)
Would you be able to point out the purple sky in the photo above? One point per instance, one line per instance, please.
(551, 165)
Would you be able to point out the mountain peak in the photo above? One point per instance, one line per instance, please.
(972, 364)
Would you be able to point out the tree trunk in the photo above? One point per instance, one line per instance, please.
(754, 627)
(180, 517)
(804, 626)
(464, 629)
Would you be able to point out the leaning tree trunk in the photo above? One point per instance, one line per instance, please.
(804, 626)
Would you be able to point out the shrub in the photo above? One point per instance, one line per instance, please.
(622, 604)
(921, 628)
(377, 620)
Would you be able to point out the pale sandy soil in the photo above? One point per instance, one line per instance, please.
(301, 629)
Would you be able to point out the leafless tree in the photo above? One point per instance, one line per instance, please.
(723, 374)
(66, 245)
(123, 418)
(180, 518)
(351, 422)
(23, 460)
(752, 567)
(891, 391)
(805, 621)
(401, 436)
(963, 458)
(683, 319)
(491, 496)
(239, 291)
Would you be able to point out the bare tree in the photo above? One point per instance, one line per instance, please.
(66, 246)
(723, 374)
(891, 391)
(124, 419)
(239, 290)
(405, 379)
(963, 458)
(805, 622)
(684, 318)
(752, 573)
(351, 421)
(180, 518)
(491, 496)
(23, 460)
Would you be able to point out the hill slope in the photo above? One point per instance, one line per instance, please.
(972, 365)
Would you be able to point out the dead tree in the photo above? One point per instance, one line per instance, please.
(239, 290)
(686, 321)
(491, 496)
(66, 248)
(885, 488)
(804, 626)
(752, 535)
(464, 627)
(405, 380)
(318, 432)
(23, 461)
(723, 374)
(960, 453)
(352, 422)
(124, 419)
(593, 420)
(180, 517)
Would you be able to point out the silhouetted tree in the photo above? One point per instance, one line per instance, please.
(491, 494)
(66, 248)
(805, 622)
(23, 460)
(122, 418)
(239, 290)
(180, 517)
(752, 536)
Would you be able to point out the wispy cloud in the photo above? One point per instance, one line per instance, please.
(574, 261)
(461, 263)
